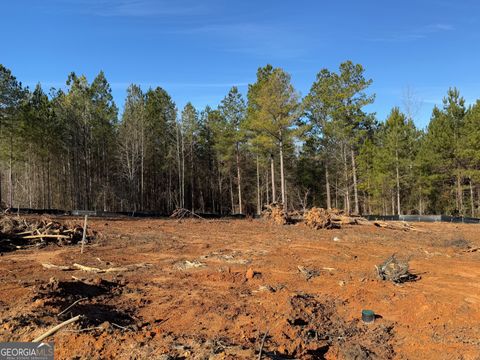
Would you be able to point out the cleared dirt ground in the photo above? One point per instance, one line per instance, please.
(195, 298)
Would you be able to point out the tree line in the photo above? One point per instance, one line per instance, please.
(71, 149)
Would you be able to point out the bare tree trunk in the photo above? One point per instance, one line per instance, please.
(192, 177)
(179, 163)
(282, 176)
(459, 193)
(274, 195)
(142, 168)
(183, 170)
(220, 191)
(393, 204)
(336, 193)
(327, 186)
(399, 211)
(285, 206)
(239, 180)
(259, 205)
(231, 193)
(267, 190)
(346, 204)
(49, 189)
(10, 175)
(355, 188)
(472, 202)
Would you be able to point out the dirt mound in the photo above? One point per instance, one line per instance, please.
(18, 232)
(314, 329)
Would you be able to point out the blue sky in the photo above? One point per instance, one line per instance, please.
(197, 50)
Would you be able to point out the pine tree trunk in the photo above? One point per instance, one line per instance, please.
(327, 187)
(459, 193)
(232, 204)
(239, 180)
(192, 177)
(346, 204)
(336, 193)
(183, 170)
(355, 188)
(282, 175)
(49, 190)
(259, 205)
(179, 164)
(220, 200)
(399, 211)
(10, 175)
(472, 202)
(274, 195)
(267, 188)
(393, 204)
(142, 170)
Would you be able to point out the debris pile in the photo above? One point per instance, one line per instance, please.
(308, 273)
(319, 218)
(395, 270)
(181, 213)
(394, 225)
(276, 213)
(18, 232)
(185, 265)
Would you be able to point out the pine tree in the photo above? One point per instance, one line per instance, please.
(274, 113)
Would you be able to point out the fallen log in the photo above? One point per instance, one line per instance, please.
(56, 328)
(47, 236)
(393, 225)
(57, 267)
(113, 269)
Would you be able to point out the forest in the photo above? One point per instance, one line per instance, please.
(70, 148)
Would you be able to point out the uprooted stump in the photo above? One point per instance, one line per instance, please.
(18, 232)
(395, 270)
(275, 212)
(320, 218)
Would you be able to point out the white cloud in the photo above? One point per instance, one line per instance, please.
(422, 32)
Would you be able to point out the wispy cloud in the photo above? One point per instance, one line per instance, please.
(419, 33)
(137, 8)
(272, 40)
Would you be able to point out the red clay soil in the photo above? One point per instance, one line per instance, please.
(216, 289)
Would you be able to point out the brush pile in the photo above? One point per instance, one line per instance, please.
(319, 218)
(18, 232)
(181, 213)
(275, 212)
